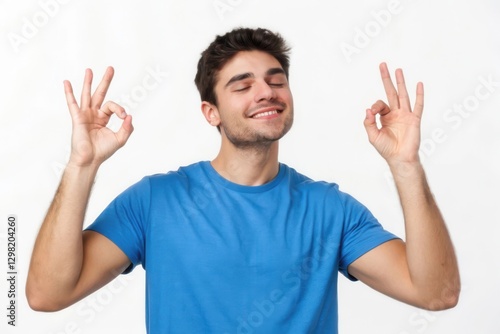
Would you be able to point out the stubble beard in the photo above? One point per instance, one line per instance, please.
(254, 140)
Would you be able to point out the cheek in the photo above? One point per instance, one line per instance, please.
(286, 95)
(289, 103)
(233, 107)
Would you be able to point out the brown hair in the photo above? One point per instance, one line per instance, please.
(223, 48)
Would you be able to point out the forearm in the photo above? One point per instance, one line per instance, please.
(430, 255)
(58, 252)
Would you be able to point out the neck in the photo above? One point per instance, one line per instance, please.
(250, 166)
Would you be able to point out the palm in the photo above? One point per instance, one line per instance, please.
(93, 143)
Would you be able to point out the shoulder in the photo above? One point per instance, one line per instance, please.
(303, 182)
(329, 191)
(182, 174)
(174, 179)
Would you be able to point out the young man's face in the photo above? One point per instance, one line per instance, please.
(255, 104)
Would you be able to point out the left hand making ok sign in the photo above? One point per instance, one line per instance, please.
(398, 138)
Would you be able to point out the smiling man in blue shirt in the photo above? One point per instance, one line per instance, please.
(242, 243)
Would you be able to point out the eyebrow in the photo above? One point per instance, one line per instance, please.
(243, 76)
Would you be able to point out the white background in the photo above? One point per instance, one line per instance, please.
(451, 46)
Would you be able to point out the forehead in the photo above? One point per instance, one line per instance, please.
(255, 62)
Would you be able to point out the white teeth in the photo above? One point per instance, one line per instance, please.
(264, 114)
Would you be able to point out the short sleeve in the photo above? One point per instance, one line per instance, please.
(362, 232)
(124, 221)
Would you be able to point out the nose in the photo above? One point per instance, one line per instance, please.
(264, 92)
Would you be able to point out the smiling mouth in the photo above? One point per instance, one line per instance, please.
(266, 113)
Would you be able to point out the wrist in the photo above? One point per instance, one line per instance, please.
(81, 173)
(78, 161)
(406, 169)
(78, 165)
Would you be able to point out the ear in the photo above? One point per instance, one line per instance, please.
(211, 113)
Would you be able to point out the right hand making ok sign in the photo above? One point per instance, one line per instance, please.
(92, 142)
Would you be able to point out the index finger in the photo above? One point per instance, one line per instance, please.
(100, 93)
(390, 90)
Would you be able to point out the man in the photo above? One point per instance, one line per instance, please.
(243, 243)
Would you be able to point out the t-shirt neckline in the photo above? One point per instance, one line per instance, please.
(215, 176)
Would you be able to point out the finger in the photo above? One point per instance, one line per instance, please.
(70, 98)
(87, 83)
(404, 99)
(125, 130)
(110, 108)
(381, 108)
(418, 109)
(390, 90)
(102, 89)
(370, 124)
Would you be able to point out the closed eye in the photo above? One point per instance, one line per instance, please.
(242, 89)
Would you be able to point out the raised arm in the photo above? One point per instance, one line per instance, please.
(66, 264)
(423, 270)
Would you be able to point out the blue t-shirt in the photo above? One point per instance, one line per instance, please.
(225, 258)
